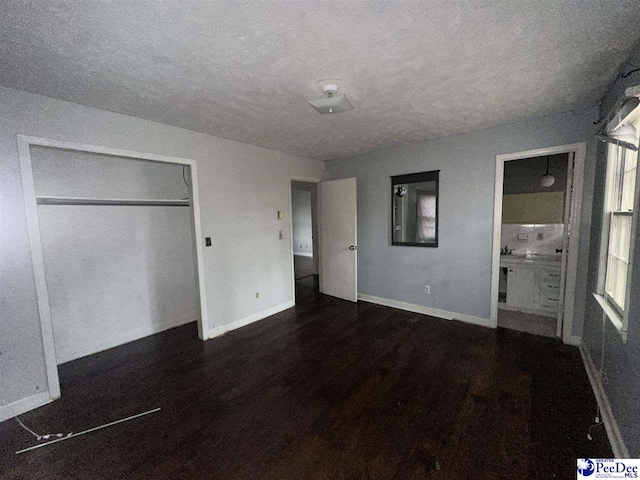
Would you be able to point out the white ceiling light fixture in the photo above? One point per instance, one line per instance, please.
(547, 179)
(331, 102)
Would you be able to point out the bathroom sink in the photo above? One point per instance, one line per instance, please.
(534, 256)
(546, 258)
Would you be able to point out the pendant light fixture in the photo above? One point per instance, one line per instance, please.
(547, 179)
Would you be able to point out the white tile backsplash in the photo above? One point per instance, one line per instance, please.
(523, 239)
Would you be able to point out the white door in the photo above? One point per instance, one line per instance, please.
(339, 254)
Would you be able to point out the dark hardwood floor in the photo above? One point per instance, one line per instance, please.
(302, 266)
(326, 390)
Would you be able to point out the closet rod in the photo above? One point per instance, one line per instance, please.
(111, 201)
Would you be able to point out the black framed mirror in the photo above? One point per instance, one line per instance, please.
(414, 209)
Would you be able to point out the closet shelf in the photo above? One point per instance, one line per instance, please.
(163, 202)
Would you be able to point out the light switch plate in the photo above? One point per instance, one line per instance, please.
(280, 214)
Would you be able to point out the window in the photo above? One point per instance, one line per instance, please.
(617, 231)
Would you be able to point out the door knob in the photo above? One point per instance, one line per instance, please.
(352, 247)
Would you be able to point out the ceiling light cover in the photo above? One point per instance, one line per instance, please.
(333, 104)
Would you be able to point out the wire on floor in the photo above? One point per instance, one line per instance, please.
(46, 436)
(61, 437)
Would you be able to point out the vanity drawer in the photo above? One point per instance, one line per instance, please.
(550, 277)
(550, 287)
(548, 300)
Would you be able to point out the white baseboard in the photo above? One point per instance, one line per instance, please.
(222, 329)
(610, 423)
(434, 312)
(89, 348)
(303, 254)
(24, 405)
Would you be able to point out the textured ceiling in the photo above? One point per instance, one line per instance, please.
(245, 70)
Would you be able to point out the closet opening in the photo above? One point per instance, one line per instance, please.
(116, 248)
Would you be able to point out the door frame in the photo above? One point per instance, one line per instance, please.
(316, 181)
(571, 163)
(579, 149)
(25, 143)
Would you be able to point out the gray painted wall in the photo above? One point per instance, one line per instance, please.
(247, 256)
(621, 361)
(459, 270)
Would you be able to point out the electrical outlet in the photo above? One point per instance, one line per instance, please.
(540, 236)
(280, 235)
(257, 294)
(427, 289)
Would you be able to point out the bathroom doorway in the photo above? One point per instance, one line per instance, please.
(535, 253)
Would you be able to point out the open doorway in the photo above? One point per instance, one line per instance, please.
(532, 238)
(305, 245)
(537, 210)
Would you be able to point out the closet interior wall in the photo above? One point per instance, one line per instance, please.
(120, 271)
